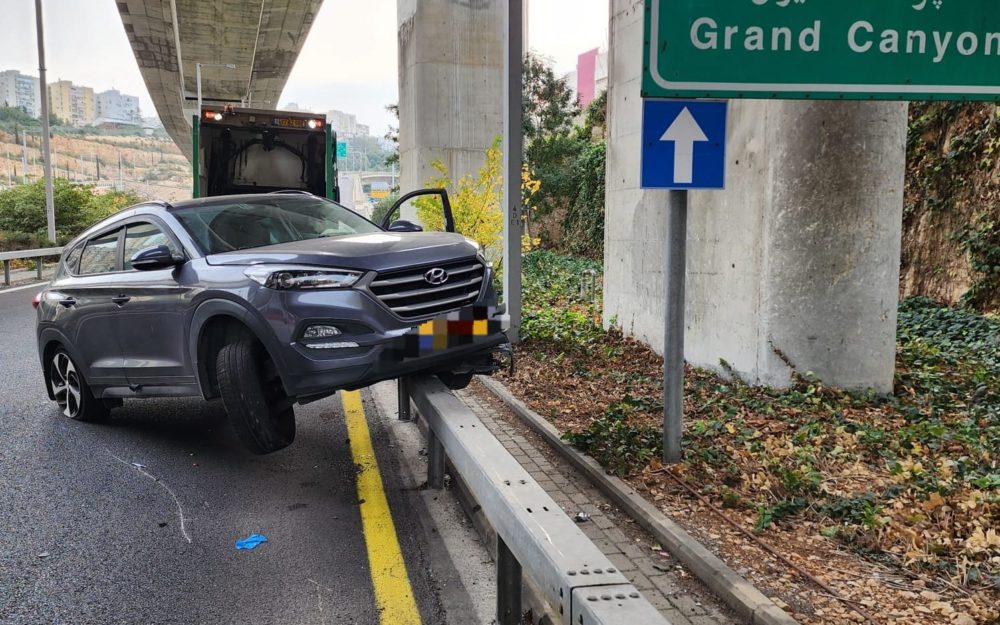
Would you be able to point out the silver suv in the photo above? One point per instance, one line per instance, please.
(265, 301)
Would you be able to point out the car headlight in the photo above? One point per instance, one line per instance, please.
(293, 277)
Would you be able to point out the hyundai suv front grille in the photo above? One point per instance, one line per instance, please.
(429, 290)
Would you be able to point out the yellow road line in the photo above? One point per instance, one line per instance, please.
(393, 593)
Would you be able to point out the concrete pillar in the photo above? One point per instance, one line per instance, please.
(450, 85)
(795, 264)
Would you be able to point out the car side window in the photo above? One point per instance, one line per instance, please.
(100, 254)
(142, 236)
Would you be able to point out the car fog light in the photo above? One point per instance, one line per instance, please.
(340, 345)
(321, 332)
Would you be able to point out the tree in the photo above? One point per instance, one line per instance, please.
(549, 107)
(393, 135)
(552, 147)
(475, 202)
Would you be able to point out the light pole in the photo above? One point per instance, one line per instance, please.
(197, 75)
(50, 209)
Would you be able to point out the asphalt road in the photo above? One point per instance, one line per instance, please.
(88, 537)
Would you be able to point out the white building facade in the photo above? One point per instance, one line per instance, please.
(20, 91)
(114, 108)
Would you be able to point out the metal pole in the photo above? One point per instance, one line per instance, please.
(513, 159)
(50, 209)
(674, 269)
(435, 461)
(508, 586)
(197, 74)
(403, 397)
(196, 155)
(24, 156)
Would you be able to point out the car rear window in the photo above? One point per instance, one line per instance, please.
(100, 255)
(71, 261)
(222, 228)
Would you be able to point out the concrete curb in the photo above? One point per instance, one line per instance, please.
(749, 603)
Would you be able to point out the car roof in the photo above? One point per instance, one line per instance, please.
(247, 198)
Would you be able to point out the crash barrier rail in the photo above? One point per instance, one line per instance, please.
(6, 257)
(534, 536)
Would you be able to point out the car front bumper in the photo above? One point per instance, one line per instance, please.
(374, 344)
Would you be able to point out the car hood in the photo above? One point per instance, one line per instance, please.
(380, 251)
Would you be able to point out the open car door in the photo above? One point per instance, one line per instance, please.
(389, 222)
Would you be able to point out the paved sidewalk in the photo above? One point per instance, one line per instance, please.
(681, 598)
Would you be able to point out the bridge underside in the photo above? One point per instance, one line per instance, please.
(262, 39)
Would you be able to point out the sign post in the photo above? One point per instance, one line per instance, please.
(683, 147)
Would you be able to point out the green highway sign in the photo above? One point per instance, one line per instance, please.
(341, 149)
(822, 49)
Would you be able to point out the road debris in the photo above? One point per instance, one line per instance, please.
(251, 542)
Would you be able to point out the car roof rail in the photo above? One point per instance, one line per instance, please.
(163, 203)
(291, 192)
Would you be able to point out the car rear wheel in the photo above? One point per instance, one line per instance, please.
(71, 391)
(258, 407)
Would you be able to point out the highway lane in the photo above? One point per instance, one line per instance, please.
(134, 521)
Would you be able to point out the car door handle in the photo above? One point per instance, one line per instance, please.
(121, 300)
(68, 302)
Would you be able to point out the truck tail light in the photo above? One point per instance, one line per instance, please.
(36, 300)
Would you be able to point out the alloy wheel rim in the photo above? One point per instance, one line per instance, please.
(66, 385)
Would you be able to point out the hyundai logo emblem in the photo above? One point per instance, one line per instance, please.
(436, 276)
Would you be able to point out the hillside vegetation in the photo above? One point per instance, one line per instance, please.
(951, 219)
(150, 166)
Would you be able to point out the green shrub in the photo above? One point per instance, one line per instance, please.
(22, 208)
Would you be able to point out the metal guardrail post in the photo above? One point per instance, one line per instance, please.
(509, 610)
(435, 462)
(38, 255)
(403, 396)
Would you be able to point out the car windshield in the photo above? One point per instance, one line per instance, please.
(269, 221)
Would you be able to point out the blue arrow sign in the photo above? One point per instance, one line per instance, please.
(683, 144)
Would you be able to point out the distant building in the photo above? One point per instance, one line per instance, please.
(20, 91)
(294, 108)
(591, 76)
(116, 109)
(346, 125)
(72, 103)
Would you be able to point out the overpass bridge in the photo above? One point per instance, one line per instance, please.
(246, 49)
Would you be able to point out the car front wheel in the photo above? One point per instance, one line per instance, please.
(258, 408)
(71, 391)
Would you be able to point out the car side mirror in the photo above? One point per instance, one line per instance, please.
(401, 225)
(159, 257)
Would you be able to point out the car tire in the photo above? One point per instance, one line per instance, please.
(455, 381)
(71, 391)
(254, 397)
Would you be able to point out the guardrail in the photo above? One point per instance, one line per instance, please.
(534, 536)
(6, 257)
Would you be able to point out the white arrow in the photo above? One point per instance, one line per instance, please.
(684, 132)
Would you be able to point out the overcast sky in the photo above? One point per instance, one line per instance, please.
(348, 62)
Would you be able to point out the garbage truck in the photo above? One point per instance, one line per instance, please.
(247, 150)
